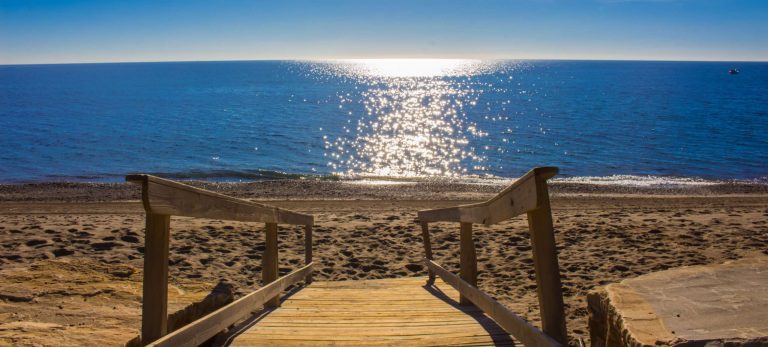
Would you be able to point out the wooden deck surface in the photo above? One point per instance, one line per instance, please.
(372, 312)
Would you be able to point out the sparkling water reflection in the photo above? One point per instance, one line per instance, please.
(414, 123)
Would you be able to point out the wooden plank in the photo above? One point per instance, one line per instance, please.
(437, 339)
(366, 295)
(510, 322)
(391, 282)
(161, 196)
(511, 202)
(204, 328)
(383, 321)
(373, 310)
(154, 306)
(546, 266)
(372, 313)
(269, 268)
(468, 261)
(427, 249)
(356, 305)
(302, 333)
(476, 341)
(440, 339)
(380, 295)
(308, 250)
(293, 218)
(307, 313)
(448, 214)
(369, 330)
(518, 198)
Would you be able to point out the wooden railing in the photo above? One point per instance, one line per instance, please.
(163, 198)
(526, 195)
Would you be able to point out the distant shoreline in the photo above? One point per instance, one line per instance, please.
(298, 189)
(256, 176)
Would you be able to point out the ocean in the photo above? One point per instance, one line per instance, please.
(626, 122)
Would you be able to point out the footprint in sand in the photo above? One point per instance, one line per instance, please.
(103, 246)
(35, 242)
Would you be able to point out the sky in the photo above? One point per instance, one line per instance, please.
(33, 32)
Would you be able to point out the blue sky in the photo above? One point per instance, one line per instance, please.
(140, 30)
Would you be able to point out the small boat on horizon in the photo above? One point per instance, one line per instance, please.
(733, 71)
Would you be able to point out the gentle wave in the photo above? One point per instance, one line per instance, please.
(652, 181)
(240, 175)
(640, 181)
(245, 176)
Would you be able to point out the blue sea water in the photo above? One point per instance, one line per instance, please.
(383, 118)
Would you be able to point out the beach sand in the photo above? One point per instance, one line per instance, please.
(362, 231)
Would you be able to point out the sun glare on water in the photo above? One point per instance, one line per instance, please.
(411, 67)
(406, 117)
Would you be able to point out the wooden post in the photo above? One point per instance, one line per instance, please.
(308, 251)
(468, 259)
(269, 262)
(545, 264)
(427, 250)
(154, 306)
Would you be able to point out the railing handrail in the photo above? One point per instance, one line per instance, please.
(163, 196)
(523, 331)
(203, 329)
(528, 194)
(518, 198)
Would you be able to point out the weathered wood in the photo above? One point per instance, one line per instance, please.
(427, 249)
(390, 312)
(203, 329)
(468, 257)
(308, 250)
(161, 196)
(546, 266)
(528, 334)
(528, 195)
(154, 306)
(269, 262)
(518, 198)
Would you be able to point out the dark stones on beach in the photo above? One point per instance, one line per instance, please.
(16, 298)
(123, 272)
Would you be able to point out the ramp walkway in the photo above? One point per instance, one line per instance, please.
(438, 310)
(399, 311)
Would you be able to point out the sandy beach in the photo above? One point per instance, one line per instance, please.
(65, 230)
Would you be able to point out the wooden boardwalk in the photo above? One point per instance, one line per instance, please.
(401, 311)
(450, 311)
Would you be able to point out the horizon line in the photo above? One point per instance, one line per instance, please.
(370, 58)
